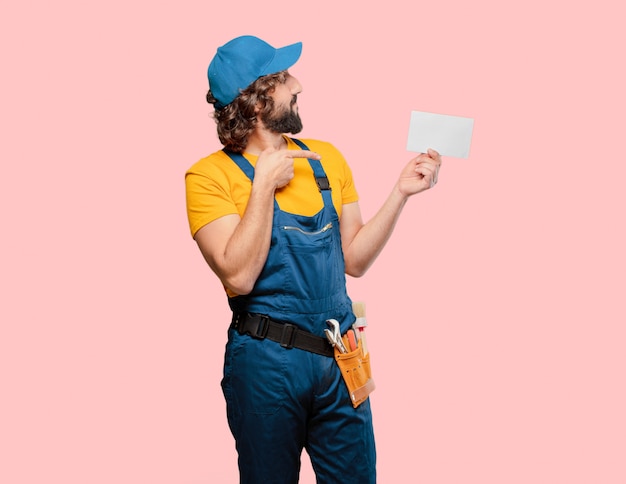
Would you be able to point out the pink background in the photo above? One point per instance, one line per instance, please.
(496, 312)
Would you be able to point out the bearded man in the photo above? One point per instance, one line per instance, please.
(277, 219)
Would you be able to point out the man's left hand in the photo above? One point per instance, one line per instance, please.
(420, 173)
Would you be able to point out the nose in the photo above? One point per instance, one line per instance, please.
(294, 85)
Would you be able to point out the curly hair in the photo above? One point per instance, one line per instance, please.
(237, 120)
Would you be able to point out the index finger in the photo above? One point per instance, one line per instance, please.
(303, 154)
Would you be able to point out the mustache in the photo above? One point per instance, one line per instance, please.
(294, 100)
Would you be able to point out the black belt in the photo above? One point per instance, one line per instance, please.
(288, 335)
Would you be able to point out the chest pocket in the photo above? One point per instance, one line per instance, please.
(310, 250)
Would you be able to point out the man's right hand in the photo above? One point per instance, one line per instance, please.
(276, 166)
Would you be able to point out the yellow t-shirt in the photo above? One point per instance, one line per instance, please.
(216, 186)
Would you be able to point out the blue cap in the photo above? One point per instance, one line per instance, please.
(240, 62)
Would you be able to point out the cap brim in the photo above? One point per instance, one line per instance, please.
(283, 59)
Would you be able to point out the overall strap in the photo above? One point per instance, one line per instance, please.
(246, 167)
(320, 176)
(242, 163)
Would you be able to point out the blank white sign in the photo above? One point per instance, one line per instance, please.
(448, 135)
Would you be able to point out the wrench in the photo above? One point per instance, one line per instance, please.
(334, 336)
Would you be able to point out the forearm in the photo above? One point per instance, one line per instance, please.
(370, 239)
(238, 258)
(247, 249)
(363, 242)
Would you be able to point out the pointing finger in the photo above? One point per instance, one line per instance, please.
(304, 154)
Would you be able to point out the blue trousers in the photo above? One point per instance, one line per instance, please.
(280, 401)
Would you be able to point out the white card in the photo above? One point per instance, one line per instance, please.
(448, 135)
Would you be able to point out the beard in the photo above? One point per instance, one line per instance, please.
(286, 121)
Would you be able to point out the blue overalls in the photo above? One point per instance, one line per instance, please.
(280, 400)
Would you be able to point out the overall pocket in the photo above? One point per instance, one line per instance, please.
(309, 252)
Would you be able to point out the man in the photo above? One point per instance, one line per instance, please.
(278, 221)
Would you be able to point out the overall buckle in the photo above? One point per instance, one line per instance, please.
(322, 183)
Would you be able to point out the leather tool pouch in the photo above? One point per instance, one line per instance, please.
(356, 372)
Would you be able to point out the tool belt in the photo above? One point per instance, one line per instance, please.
(356, 372)
(260, 326)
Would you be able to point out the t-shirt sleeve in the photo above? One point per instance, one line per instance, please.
(348, 191)
(208, 197)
